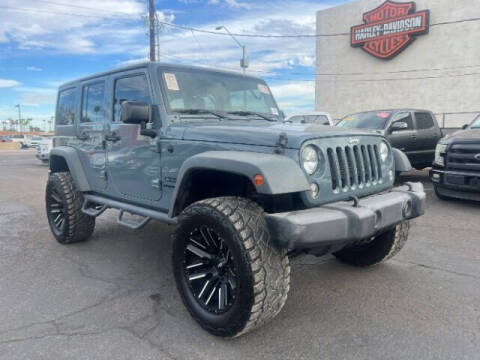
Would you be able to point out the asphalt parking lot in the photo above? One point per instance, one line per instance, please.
(114, 297)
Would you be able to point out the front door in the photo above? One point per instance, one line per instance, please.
(133, 160)
(404, 139)
(90, 126)
(427, 137)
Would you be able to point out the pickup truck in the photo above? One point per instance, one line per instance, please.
(415, 132)
(456, 170)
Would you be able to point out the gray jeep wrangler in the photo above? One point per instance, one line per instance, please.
(208, 152)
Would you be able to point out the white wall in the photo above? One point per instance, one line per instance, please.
(449, 46)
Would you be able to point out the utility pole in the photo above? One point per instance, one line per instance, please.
(151, 24)
(158, 28)
(19, 117)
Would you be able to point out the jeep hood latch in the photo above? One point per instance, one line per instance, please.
(281, 143)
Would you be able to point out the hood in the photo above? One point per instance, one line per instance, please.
(467, 136)
(261, 134)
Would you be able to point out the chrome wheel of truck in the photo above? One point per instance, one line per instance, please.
(230, 277)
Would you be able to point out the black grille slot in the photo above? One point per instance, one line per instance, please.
(464, 157)
(354, 166)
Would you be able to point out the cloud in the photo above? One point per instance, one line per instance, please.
(33, 68)
(295, 96)
(6, 83)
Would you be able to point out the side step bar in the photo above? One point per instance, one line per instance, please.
(102, 204)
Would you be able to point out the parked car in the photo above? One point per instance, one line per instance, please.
(5, 139)
(415, 132)
(456, 169)
(314, 117)
(24, 140)
(206, 150)
(35, 140)
(43, 149)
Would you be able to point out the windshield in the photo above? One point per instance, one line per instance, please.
(476, 123)
(207, 90)
(376, 120)
(309, 119)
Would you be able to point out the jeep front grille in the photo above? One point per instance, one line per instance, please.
(354, 167)
(462, 157)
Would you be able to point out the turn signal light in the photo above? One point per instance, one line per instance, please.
(258, 180)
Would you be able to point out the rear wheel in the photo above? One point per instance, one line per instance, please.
(230, 277)
(64, 210)
(380, 249)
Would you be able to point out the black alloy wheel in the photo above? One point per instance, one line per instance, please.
(56, 211)
(210, 270)
(63, 204)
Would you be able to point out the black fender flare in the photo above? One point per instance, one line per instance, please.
(281, 174)
(74, 164)
(401, 161)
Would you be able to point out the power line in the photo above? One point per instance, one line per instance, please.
(79, 7)
(189, 28)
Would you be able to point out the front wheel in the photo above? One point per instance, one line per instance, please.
(64, 210)
(229, 275)
(380, 249)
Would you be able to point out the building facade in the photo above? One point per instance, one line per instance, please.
(423, 54)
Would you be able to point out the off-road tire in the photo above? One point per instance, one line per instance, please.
(263, 269)
(383, 247)
(77, 225)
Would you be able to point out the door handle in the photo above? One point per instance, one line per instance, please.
(113, 137)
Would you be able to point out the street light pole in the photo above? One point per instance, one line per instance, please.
(243, 60)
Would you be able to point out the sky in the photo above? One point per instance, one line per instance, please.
(44, 43)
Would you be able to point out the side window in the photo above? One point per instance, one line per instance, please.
(93, 102)
(67, 100)
(424, 120)
(405, 117)
(133, 88)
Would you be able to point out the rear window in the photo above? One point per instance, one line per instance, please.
(67, 100)
(376, 120)
(424, 120)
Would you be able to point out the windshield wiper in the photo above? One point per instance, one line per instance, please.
(201, 111)
(246, 113)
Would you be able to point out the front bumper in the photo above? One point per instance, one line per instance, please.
(457, 184)
(338, 224)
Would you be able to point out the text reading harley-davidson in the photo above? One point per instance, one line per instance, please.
(389, 28)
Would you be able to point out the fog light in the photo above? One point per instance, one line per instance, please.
(391, 176)
(436, 176)
(314, 190)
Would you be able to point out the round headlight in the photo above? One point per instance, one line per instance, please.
(384, 151)
(309, 159)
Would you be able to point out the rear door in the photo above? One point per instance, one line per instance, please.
(90, 127)
(427, 136)
(133, 160)
(405, 139)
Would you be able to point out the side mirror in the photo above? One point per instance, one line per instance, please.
(398, 126)
(465, 126)
(133, 112)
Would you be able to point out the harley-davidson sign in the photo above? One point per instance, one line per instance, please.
(389, 29)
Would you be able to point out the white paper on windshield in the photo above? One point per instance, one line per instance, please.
(263, 89)
(171, 81)
(274, 111)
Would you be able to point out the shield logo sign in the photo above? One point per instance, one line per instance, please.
(389, 29)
